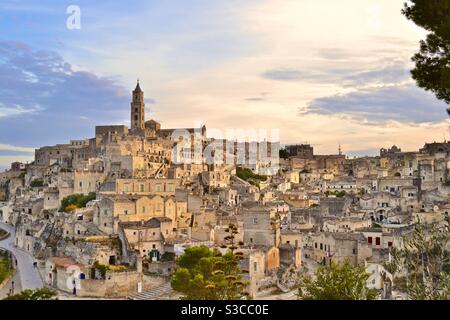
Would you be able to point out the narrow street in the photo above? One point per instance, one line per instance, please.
(27, 276)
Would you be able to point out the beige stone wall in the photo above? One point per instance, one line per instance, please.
(51, 200)
(162, 187)
(295, 239)
(86, 182)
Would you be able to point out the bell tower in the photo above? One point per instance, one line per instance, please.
(137, 109)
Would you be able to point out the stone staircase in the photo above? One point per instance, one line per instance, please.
(154, 294)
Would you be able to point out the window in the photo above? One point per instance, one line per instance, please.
(390, 244)
(141, 188)
(315, 245)
(378, 241)
(255, 220)
(143, 209)
(154, 246)
(158, 188)
(255, 266)
(321, 246)
(354, 251)
(370, 240)
(125, 212)
(158, 207)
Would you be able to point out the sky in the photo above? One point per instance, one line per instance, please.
(323, 72)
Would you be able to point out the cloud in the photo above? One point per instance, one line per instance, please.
(284, 74)
(391, 74)
(6, 147)
(347, 77)
(44, 101)
(402, 103)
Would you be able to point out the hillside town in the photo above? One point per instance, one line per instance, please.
(106, 217)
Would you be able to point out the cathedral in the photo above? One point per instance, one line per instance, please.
(151, 128)
(143, 149)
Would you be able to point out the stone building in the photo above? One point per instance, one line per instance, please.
(148, 237)
(260, 227)
(110, 210)
(338, 247)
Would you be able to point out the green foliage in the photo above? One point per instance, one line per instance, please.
(425, 260)
(339, 194)
(37, 183)
(248, 175)
(38, 294)
(447, 182)
(284, 154)
(232, 231)
(5, 268)
(204, 274)
(3, 233)
(432, 71)
(101, 268)
(76, 201)
(337, 282)
(168, 256)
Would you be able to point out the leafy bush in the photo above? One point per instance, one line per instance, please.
(204, 274)
(247, 174)
(168, 256)
(284, 154)
(70, 208)
(5, 269)
(101, 268)
(337, 282)
(338, 194)
(75, 201)
(36, 183)
(38, 294)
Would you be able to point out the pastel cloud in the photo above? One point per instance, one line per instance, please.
(383, 104)
(42, 99)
